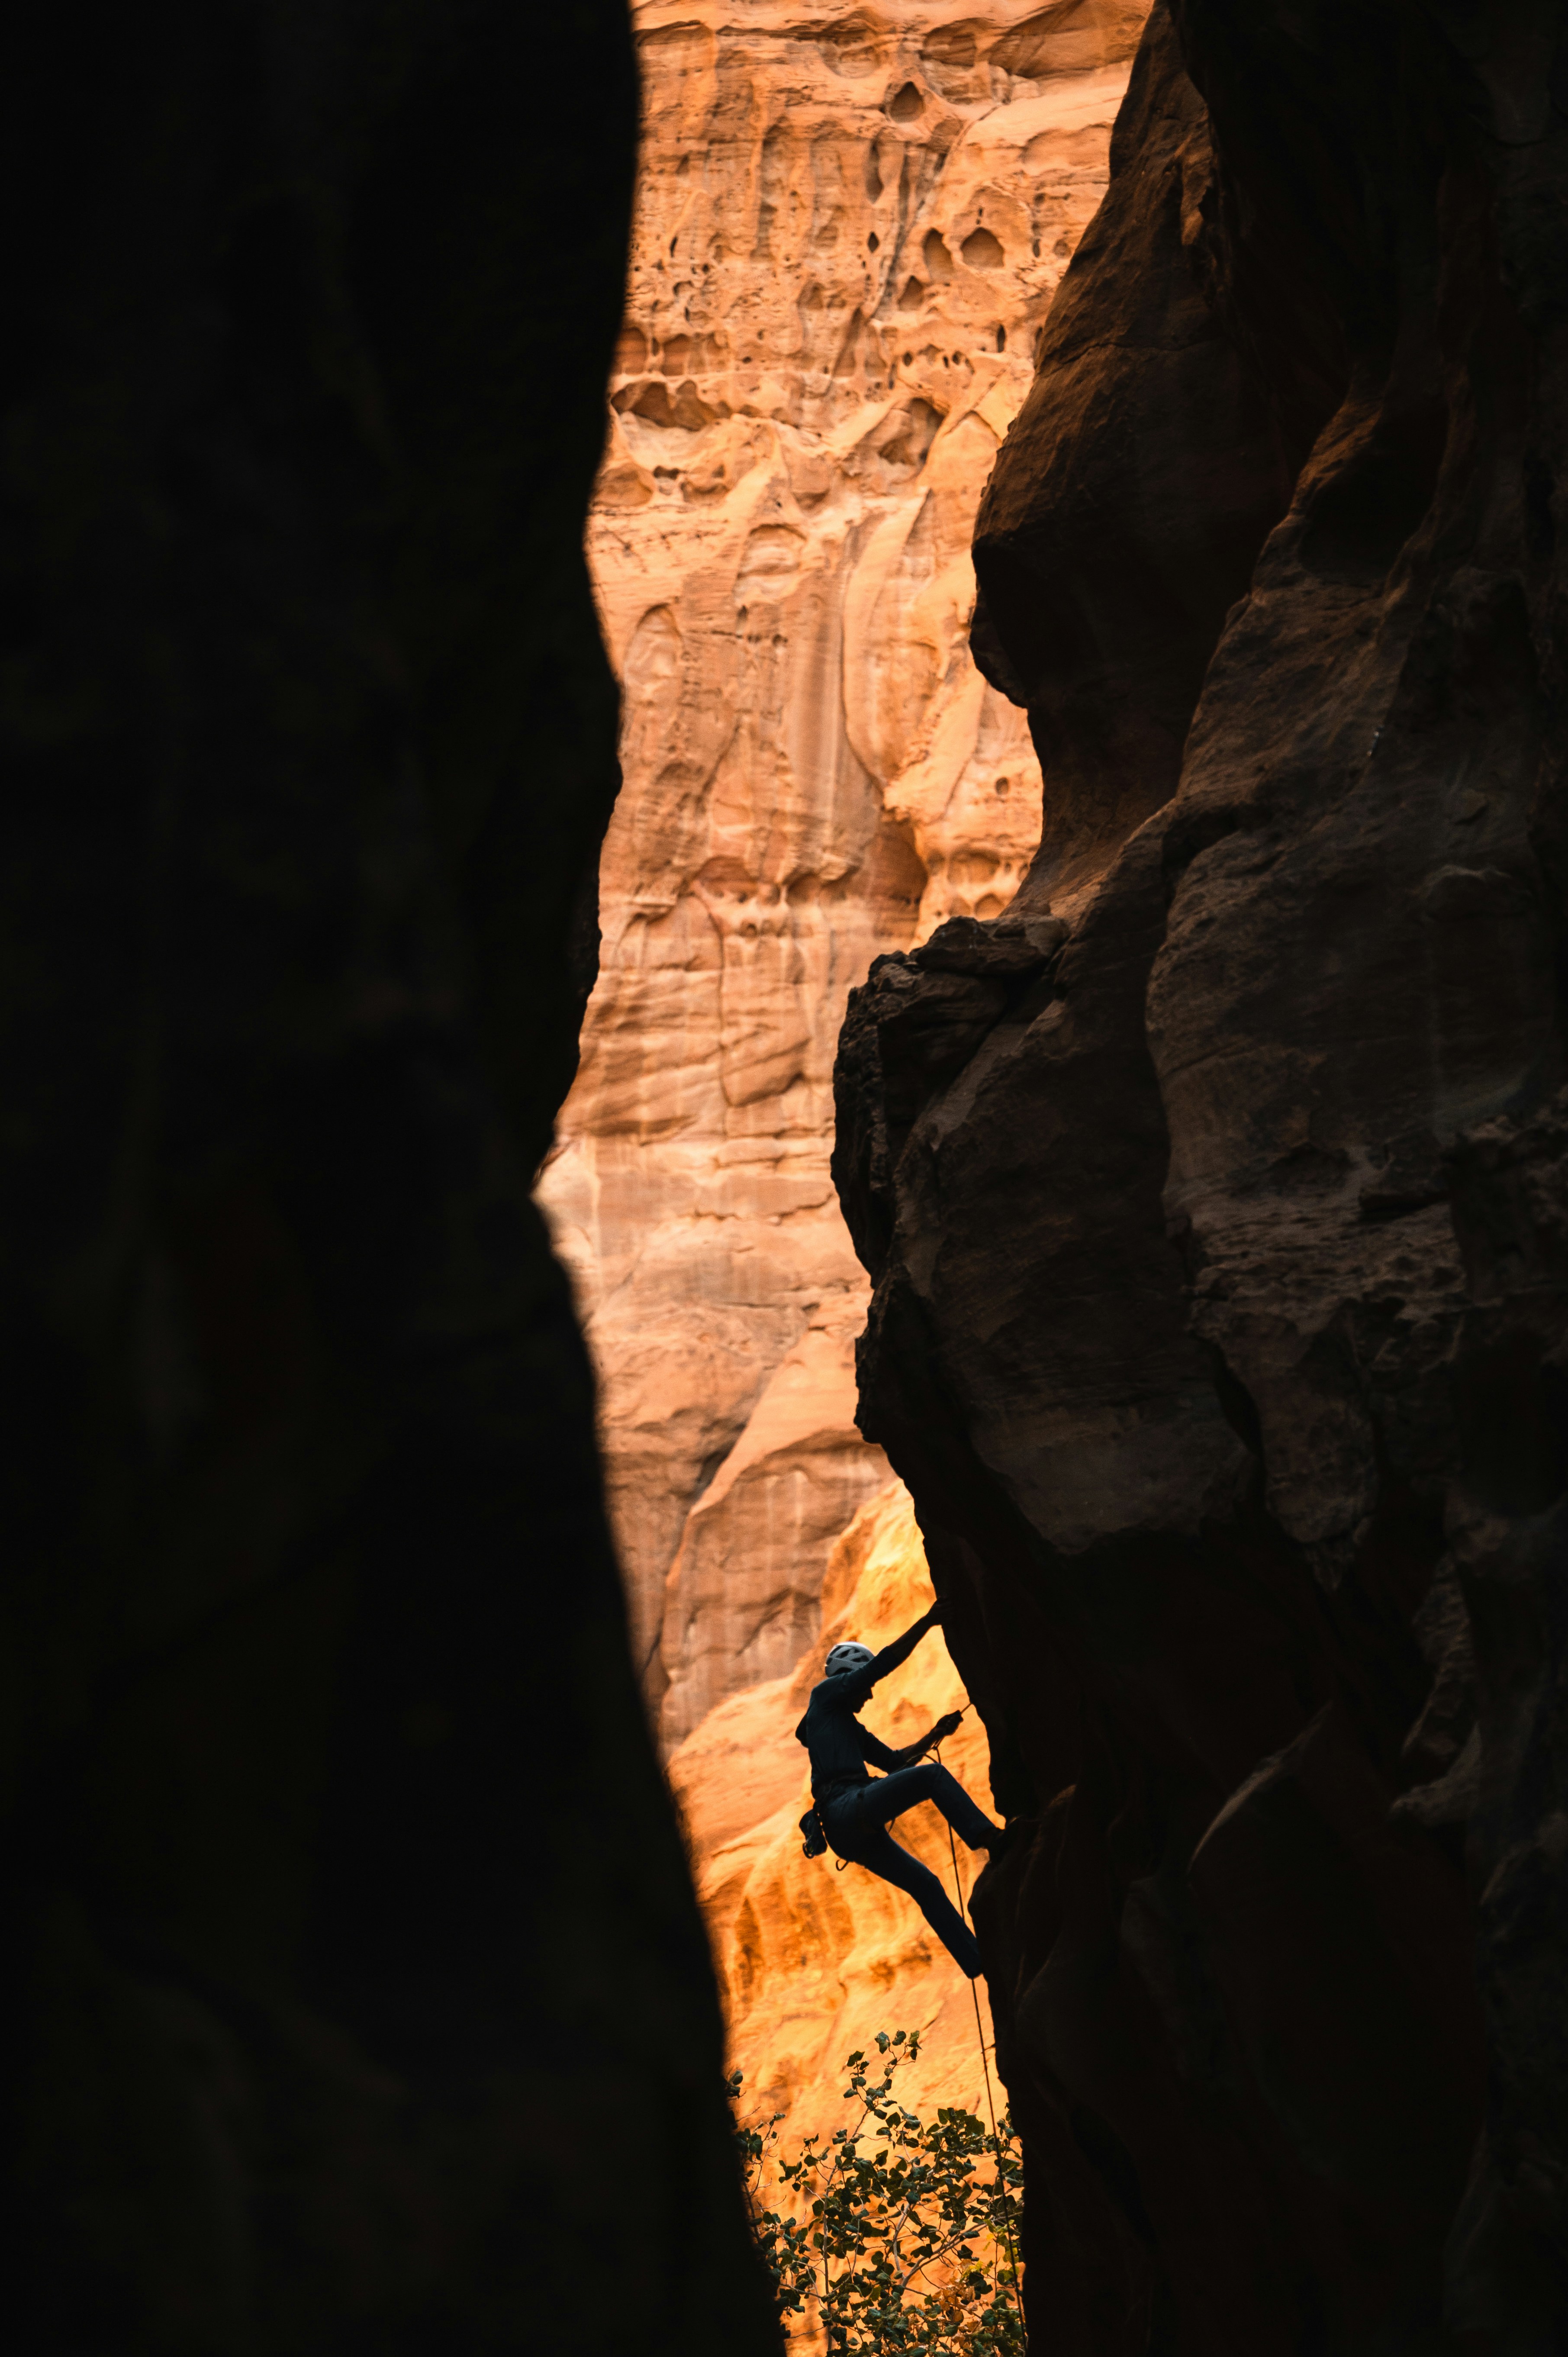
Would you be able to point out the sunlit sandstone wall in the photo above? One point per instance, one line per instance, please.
(849, 229)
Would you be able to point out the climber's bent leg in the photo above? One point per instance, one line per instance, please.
(889, 1796)
(884, 1857)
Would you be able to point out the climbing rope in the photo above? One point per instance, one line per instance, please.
(980, 2040)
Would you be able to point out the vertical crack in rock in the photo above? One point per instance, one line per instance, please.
(1220, 1308)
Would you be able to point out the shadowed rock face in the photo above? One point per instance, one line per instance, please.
(1217, 1233)
(343, 1907)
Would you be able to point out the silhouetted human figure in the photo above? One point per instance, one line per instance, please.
(855, 1809)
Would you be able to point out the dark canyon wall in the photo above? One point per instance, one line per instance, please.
(1218, 1212)
(351, 1965)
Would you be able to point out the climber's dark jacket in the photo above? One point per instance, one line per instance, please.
(838, 1744)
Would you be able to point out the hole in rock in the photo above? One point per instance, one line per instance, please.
(686, 411)
(1000, 339)
(917, 428)
(851, 47)
(911, 298)
(982, 251)
(950, 45)
(872, 243)
(906, 103)
(624, 487)
(937, 260)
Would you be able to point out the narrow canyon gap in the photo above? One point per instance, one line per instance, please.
(1216, 1203)
(352, 1972)
(849, 228)
(848, 231)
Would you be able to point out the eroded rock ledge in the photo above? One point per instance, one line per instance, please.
(1214, 1204)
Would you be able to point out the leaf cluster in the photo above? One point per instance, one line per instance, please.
(903, 2233)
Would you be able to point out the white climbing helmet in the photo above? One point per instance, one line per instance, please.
(848, 1656)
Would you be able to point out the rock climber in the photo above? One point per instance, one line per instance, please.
(855, 1809)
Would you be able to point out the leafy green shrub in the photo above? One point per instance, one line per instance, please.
(904, 2235)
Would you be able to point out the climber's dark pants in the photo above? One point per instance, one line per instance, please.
(855, 1820)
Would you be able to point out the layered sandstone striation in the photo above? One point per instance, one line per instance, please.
(1214, 1204)
(814, 1960)
(849, 228)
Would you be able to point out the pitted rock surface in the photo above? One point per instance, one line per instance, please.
(849, 231)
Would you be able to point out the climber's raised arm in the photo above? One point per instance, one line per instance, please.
(855, 1672)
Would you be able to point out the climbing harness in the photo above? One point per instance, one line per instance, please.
(980, 2040)
(815, 1841)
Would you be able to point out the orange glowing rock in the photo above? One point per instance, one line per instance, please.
(849, 229)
